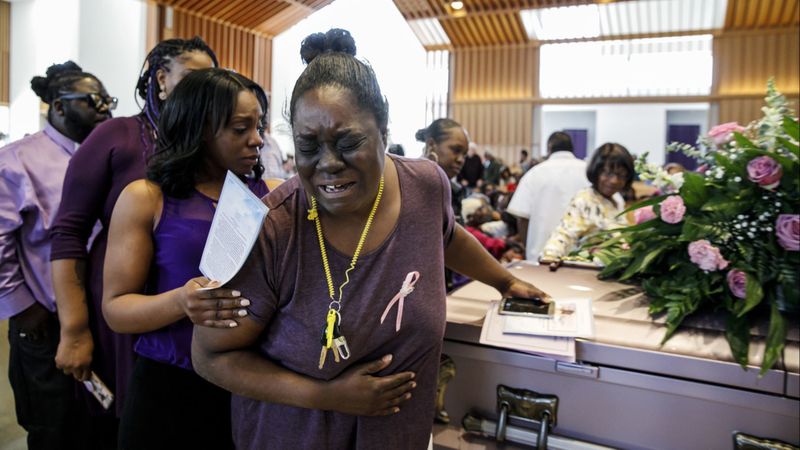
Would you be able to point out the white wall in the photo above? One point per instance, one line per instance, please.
(104, 37)
(384, 39)
(640, 127)
(112, 46)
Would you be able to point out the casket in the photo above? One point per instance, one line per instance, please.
(625, 389)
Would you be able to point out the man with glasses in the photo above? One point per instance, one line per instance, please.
(31, 177)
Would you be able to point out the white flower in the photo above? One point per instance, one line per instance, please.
(676, 179)
(737, 179)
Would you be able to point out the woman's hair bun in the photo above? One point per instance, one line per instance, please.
(421, 135)
(41, 85)
(336, 40)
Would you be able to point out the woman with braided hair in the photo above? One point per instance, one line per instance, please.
(112, 156)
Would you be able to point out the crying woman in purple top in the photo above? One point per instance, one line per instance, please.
(310, 368)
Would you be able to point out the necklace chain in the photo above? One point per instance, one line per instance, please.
(313, 214)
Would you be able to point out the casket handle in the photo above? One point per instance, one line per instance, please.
(528, 406)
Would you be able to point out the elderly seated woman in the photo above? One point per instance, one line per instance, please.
(595, 208)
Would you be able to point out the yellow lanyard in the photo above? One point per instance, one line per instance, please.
(334, 316)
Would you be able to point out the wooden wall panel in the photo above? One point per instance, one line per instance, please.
(5, 51)
(743, 62)
(245, 51)
(506, 72)
(501, 128)
(492, 96)
(745, 110)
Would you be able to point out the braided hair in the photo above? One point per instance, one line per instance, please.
(158, 58)
(58, 79)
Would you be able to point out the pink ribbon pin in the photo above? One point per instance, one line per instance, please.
(408, 287)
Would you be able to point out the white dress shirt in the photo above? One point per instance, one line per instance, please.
(544, 193)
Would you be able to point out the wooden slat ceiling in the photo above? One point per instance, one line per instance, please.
(269, 17)
(751, 14)
(498, 22)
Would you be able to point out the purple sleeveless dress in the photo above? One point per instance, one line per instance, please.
(179, 239)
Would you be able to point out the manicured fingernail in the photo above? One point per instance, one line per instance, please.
(244, 302)
(236, 293)
(413, 384)
(396, 410)
(387, 358)
(233, 325)
(241, 312)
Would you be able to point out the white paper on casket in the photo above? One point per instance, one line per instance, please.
(573, 318)
(560, 348)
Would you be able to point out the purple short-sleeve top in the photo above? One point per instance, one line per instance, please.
(285, 282)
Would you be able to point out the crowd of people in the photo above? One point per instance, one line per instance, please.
(330, 335)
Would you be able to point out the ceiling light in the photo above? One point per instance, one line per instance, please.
(456, 5)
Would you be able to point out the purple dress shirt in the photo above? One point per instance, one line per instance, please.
(31, 175)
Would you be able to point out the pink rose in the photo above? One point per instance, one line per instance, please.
(765, 171)
(644, 214)
(672, 209)
(706, 256)
(723, 133)
(737, 283)
(787, 229)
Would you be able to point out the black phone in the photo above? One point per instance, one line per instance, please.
(530, 307)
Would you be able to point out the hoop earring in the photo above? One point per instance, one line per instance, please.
(433, 157)
(162, 95)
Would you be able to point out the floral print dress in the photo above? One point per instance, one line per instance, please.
(588, 213)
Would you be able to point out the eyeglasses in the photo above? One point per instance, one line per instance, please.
(620, 174)
(95, 100)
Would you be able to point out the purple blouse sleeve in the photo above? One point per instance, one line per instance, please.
(86, 185)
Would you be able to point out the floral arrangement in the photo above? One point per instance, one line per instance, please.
(726, 237)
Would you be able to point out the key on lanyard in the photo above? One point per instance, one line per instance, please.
(335, 337)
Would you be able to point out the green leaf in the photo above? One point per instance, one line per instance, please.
(791, 127)
(753, 295)
(693, 230)
(742, 142)
(776, 339)
(727, 164)
(641, 262)
(693, 190)
(737, 332)
(650, 201)
(793, 148)
(726, 204)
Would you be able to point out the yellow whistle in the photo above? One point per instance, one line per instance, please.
(331, 320)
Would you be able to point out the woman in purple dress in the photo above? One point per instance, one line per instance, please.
(110, 158)
(341, 345)
(211, 124)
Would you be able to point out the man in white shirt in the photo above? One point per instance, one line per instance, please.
(544, 193)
